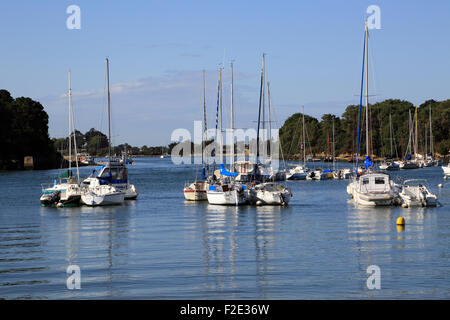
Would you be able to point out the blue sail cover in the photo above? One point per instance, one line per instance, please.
(408, 157)
(227, 173)
(368, 163)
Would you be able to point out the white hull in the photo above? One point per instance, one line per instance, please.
(232, 197)
(372, 199)
(93, 199)
(416, 194)
(270, 194)
(196, 191)
(446, 170)
(372, 190)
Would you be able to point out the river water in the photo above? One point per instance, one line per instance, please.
(161, 247)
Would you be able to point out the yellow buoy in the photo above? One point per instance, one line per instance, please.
(400, 221)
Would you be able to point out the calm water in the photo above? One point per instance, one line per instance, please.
(161, 247)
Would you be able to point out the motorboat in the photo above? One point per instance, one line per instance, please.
(416, 193)
(389, 166)
(297, 173)
(269, 193)
(317, 175)
(373, 189)
(344, 173)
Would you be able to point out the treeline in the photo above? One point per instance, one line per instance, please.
(319, 134)
(95, 143)
(23, 133)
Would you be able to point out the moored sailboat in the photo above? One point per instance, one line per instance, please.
(110, 185)
(66, 190)
(196, 191)
(370, 189)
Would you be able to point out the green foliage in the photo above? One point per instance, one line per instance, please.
(319, 134)
(24, 132)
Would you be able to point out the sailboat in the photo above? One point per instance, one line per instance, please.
(66, 190)
(108, 185)
(196, 191)
(261, 192)
(388, 163)
(300, 171)
(370, 189)
(224, 190)
(408, 162)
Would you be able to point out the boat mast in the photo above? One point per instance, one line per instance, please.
(303, 129)
(415, 134)
(269, 99)
(221, 119)
(109, 111)
(259, 119)
(390, 131)
(263, 109)
(431, 136)
(367, 90)
(72, 123)
(334, 164)
(232, 122)
(204, 124)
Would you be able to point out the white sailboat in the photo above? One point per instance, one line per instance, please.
(225, 190)
(196, 191)
(110, 185)
(370, 189)
(388, 163)
(300, 171)
(416, 193)
(66, 190)
(261, 192)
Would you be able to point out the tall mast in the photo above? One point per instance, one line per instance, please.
(220, 113)
(367, 90)
(431, 136)
(73, 129)
(269, 99)
(70, 124)
(415, 134)
(304, 146)
(109, 111)
(390, 131)
(259, 119)
(263, 107)
(334, 164)
(232, 122)
(204, 119)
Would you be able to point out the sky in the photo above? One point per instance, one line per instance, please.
(158, 49)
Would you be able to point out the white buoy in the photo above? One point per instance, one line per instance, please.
(440, 185)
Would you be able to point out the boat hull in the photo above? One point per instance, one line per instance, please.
(232, 197)
(195, 195)
(93, 199)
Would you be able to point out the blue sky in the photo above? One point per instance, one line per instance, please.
(158, 49)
